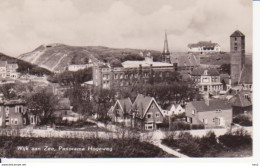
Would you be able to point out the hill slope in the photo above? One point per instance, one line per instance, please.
(56, 57)
(24, 67)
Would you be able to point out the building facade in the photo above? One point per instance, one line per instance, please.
(211, 113)
(207, 79)
(12, 113)
(131, 72)
(8, 70)
(204, 47)
(237, 50)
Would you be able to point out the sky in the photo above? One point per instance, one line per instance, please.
(27, 24)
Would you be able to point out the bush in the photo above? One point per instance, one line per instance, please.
(197, 126)
(236, 139)
(180, 126)
(243, 120)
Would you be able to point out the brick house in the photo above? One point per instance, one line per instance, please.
(147, 113)
(121, 111)
(212, 113)
(12, 113)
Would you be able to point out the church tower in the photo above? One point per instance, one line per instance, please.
(237, 52)
(166, 52)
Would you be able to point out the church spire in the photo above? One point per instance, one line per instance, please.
(166, 52)
(165, 47)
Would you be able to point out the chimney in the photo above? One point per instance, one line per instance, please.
(206, 98)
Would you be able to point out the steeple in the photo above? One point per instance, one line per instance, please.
(166, 52)
(165, 47)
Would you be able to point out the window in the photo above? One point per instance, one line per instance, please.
(15, 121)
(157, 114)
(205, 121)
(149, 115)
(235, 48)
(206, 72)
(218, 110)
(189, 119)
(148, 126)
(116, 76)
(246, 96)
(235, 39)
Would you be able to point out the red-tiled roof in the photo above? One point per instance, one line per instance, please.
(237, 33)
(214, 104)
(200, 71)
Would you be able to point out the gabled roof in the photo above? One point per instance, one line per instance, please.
(200, 71)
(184, 59)
(239, 100)
(125, 104)
(237, 33)
(246, 75)
(142, 104)
(214, 104)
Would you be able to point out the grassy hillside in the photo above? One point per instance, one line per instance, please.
(25, 67)
(56, 57)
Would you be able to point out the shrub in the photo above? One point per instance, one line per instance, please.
(197, 126)
(180, 126)
(236, 139)
(243, 120)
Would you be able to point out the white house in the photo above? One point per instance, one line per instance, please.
(204, 47)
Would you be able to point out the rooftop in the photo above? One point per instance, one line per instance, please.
(240, 100)
(237, 33)
(183, 59)
(214, 104)
(203, 44)
(246, 75)
(136, 64)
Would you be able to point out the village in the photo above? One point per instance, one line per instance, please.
(142, 95)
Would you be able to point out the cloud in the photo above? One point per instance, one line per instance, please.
(26, 24)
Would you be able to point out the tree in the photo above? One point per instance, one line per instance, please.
(225, 68)
(42, 104)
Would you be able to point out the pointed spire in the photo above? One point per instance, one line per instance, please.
(166, 47)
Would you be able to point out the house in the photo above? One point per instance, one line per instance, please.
(176, 109)
(241, 103)
(147, 113)
(212, 113)
(121, 111)
(8, 70)
(207, 79)
(204, 47)
(12, 113)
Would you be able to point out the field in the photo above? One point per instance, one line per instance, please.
(23, 147)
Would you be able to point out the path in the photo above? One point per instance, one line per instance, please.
(169, 150)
